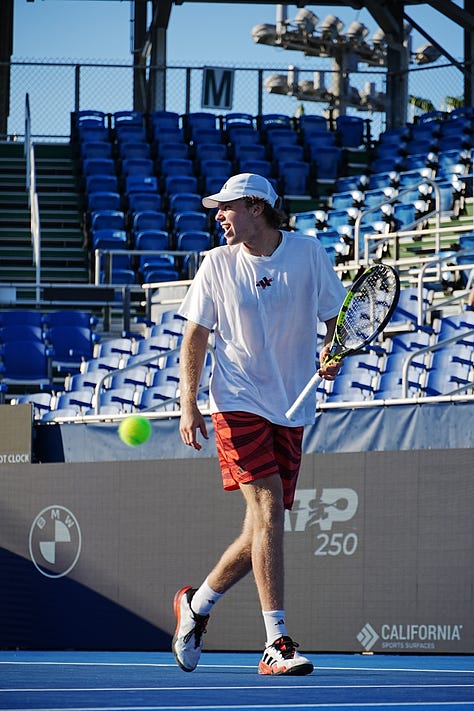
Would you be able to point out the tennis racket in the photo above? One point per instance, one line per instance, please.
(367, 308)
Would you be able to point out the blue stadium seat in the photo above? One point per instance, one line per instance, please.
(190, 220)
(141, 184)
(148, 220)
(101, 183)
(134, 149)
(68, 317)
(210, 151)
(109, 239)
(261, 167)
(137, 166)
(107, 220)
(327, 162)
(311, 122)
(21, 317)
(246, 135)
(249, 151)
(27, 362)
(350, 130)
(98, 166)
(164, 119)
(21, 332)
(71, 346)
(177, 166)
(139, 202)
(171, 149)
(181, 202)
(96, 149)
(174, 184)
(294, 177)
(155, 398)
(103, 201)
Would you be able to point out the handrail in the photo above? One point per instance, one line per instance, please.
(137, 364)
(33, 204)
(390, 201)
(429, 349)
(110, 253)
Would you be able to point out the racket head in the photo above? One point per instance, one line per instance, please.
(367, 308)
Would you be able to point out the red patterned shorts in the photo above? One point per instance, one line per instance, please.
(250, 447)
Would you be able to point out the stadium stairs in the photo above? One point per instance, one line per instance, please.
(63, 255)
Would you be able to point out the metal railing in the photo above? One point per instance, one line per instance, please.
(33, 205)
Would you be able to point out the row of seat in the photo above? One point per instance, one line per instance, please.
(130, 374)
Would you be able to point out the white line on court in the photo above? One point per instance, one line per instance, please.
(237, 666)
(288, 707)
(232, 688)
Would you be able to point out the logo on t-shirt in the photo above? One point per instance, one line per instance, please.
(264, 282)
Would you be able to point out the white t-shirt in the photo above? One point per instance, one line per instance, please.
(264, 312)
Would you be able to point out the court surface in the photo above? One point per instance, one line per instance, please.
(147, 681)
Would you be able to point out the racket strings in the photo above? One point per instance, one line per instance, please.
(367, 309)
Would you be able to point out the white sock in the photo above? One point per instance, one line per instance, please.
(204, 599)
(275, 625)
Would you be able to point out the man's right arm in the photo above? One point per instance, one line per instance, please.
(192, 355)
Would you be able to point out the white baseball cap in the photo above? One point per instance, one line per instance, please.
(243, 185)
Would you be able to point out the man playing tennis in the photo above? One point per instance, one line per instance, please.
(261, 295)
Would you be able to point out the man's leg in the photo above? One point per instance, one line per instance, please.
(264, 499)
(192, 606)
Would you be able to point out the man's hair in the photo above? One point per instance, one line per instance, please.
(272, 215)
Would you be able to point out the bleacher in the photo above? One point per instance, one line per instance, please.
(142, 178)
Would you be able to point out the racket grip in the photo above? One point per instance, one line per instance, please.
(308, 390)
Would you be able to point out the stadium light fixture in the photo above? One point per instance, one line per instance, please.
(306, 21)
(357, 32)
(331, 27)
(426, 54)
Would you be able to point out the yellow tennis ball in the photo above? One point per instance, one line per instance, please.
(134, 430)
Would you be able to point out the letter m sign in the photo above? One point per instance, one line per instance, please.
(217, 88)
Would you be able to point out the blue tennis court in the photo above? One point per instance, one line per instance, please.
(146, 681)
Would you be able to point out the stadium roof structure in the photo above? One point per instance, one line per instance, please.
(390, 15)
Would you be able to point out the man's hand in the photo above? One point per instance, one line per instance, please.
(191, 421)
(329, 370)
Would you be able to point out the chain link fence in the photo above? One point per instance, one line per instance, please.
(57, 89)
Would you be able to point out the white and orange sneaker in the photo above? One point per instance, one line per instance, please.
(187, 640)
(281, 657)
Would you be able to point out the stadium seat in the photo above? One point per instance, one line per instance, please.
(21, 332)
(137, 166)
(71, 345)
(98, 166)
(294, 177)
(134, 149)
(101, 183)
(210, 151)
(69, 318)
(249, 151)
(350, 131)
(96, 149)
(261, 167)
(180, 184)
(141, 184)
(27, 362)
(190, 220)
(164, 119)
(107, 220)
(171, 149)
(140, 202)
(103, 201)
(156, 398)
(181, 202)
(148, 220)
(21, 317)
